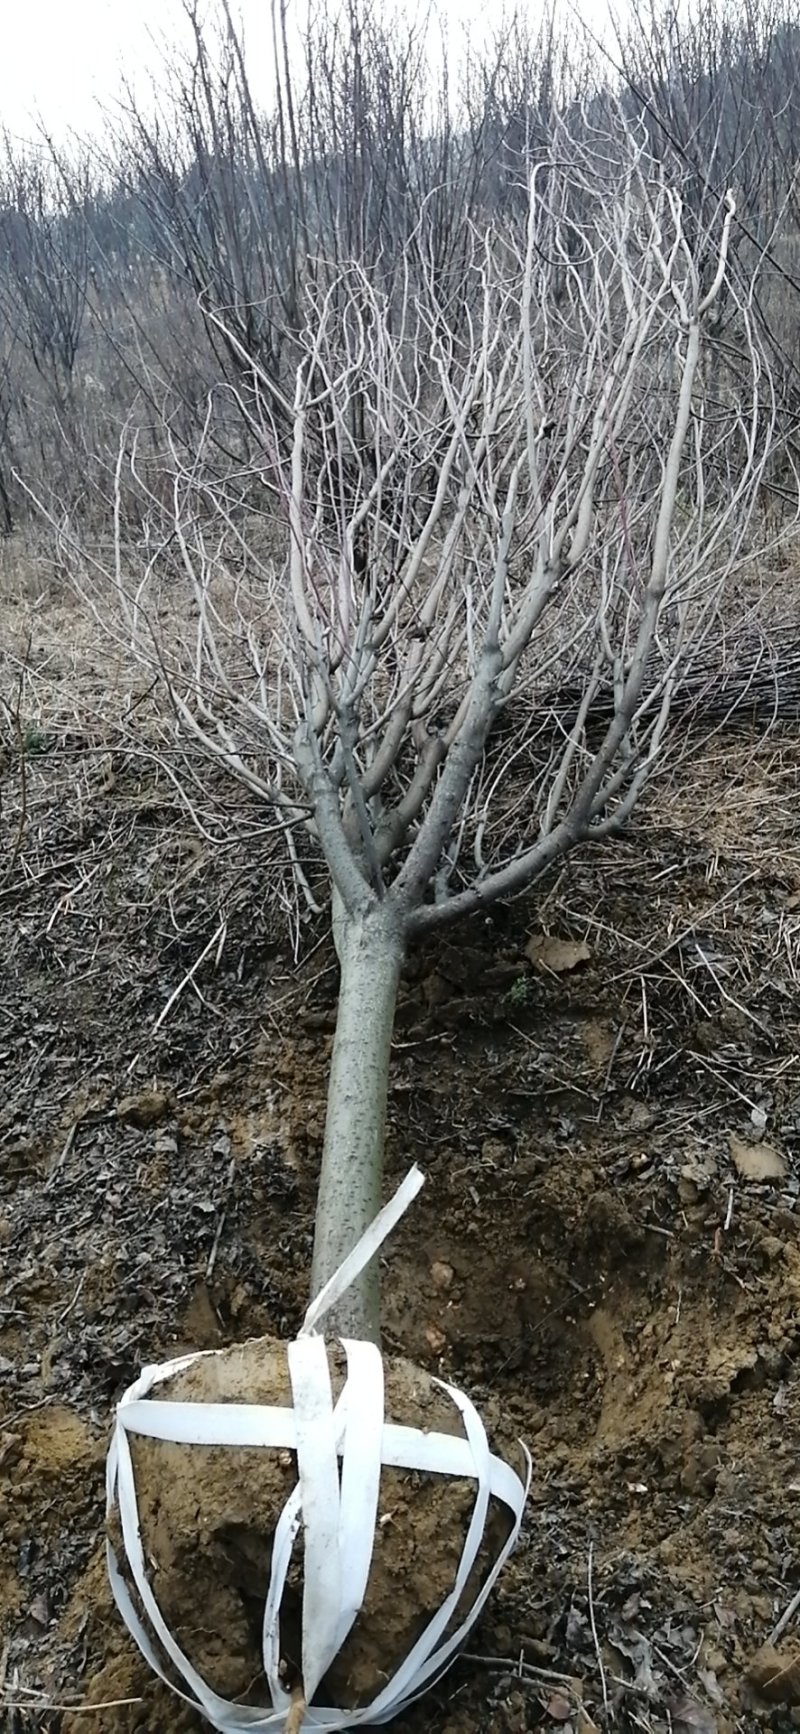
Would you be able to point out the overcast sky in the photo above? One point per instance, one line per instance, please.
(59, 58)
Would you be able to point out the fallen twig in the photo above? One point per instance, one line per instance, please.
(218, 939)
(593, 1624)
(787, 1615)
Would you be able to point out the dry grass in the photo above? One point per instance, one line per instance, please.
(59, 671)
(86, 732)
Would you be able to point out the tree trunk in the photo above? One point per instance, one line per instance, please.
(371, 947)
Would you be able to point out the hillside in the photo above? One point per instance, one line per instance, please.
(601, 1084)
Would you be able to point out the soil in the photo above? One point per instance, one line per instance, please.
(601, 1085)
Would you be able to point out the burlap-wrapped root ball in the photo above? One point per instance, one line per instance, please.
(208, 1513)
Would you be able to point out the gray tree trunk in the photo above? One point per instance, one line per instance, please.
(371, 947)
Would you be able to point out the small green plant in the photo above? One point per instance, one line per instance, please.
(520, 991)
(34, 741)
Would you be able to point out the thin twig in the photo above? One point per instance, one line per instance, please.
(592, 1622)
(68, 1308)
(525, 1670)
(50, 1705)
(787, 1615)
(65, 1150)
(217, 936)
(212, 1257)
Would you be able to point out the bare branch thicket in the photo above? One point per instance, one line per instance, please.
(248, 206)
(698, 83)
(43, 287)
(717, 90)
(554, 421)
(56, 415)
(194, 167)
(7, 454)
(396, 686)
(366, 154)
(513, 97)
(185, 259)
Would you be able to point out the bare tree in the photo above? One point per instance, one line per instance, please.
(490, 684)
(248, 206)
(7, 384)
(186, 251)
(716, 88)
(366, 154)
(43, 286)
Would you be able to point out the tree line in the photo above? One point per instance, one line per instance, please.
(173, 258)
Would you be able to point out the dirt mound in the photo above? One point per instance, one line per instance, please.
(208, 1516)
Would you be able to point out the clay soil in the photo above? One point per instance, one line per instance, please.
(602, 1085)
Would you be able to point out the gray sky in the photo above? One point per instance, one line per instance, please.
(60, 57)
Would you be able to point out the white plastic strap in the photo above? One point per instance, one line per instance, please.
(370, 1243)
(361, 1477)
(318, 1470)
(286, 1530)
(338, 1510)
